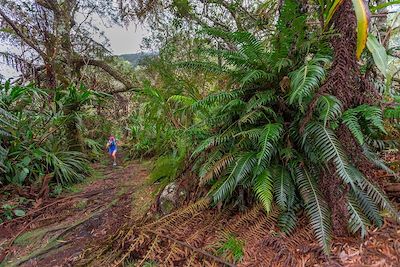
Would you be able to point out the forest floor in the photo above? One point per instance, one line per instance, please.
(56, 231)
(66, 230)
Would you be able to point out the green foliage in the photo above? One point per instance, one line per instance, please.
(232, 248)
(257, 141)
(37, 141)
(10, 211)
(306, 79)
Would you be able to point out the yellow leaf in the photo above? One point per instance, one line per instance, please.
(335, 5)
(363, 17)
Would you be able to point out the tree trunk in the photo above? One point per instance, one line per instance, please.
(346, 83)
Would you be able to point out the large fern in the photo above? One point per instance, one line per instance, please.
(269, 131)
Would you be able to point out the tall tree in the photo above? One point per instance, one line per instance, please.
(55, 40)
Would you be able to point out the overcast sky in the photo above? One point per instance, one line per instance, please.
(123, 40)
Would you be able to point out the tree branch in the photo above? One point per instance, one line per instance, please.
(21, 34)
(129, 86)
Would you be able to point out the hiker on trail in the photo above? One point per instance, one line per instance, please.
(112, 149)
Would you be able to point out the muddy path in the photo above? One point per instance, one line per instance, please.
(59, 230)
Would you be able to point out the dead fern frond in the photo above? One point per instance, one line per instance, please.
(218, 168)
(186, 212)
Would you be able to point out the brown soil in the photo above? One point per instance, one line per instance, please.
(57, 231)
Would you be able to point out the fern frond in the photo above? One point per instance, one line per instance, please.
(316, 207)
(253, 76)
(329, 108)
(263, 189)
(351, 121)
(212, 141)
(284, 189)
(209, 163)
(392, 113)
(252, 117)
(242, 168)
(184, 100)
(261, 99)
(218, 168)
(287, 221)
(305, 80)
(208, 67)
(357, 221)
(375, 159)
(268, 138)
(218, 98)
(326, 141)
(368, 206)
(378, 196)
(371, 114)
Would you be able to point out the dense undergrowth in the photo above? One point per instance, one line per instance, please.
(291, 112)
(42, 138)
(269, 132)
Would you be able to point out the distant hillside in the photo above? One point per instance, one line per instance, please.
(136, 58)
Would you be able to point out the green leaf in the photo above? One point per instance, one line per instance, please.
(363, 17)
(263, 189)
(378, 53)
(19, 213)
(242, 168)
(269, 136)
(334, 6)
(316, 207)
(383, 5)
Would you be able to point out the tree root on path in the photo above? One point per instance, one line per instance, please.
(54, 242)
(65, 199)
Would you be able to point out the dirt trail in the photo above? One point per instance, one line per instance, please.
(57, 232)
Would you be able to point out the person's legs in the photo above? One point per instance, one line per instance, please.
(114, 156)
